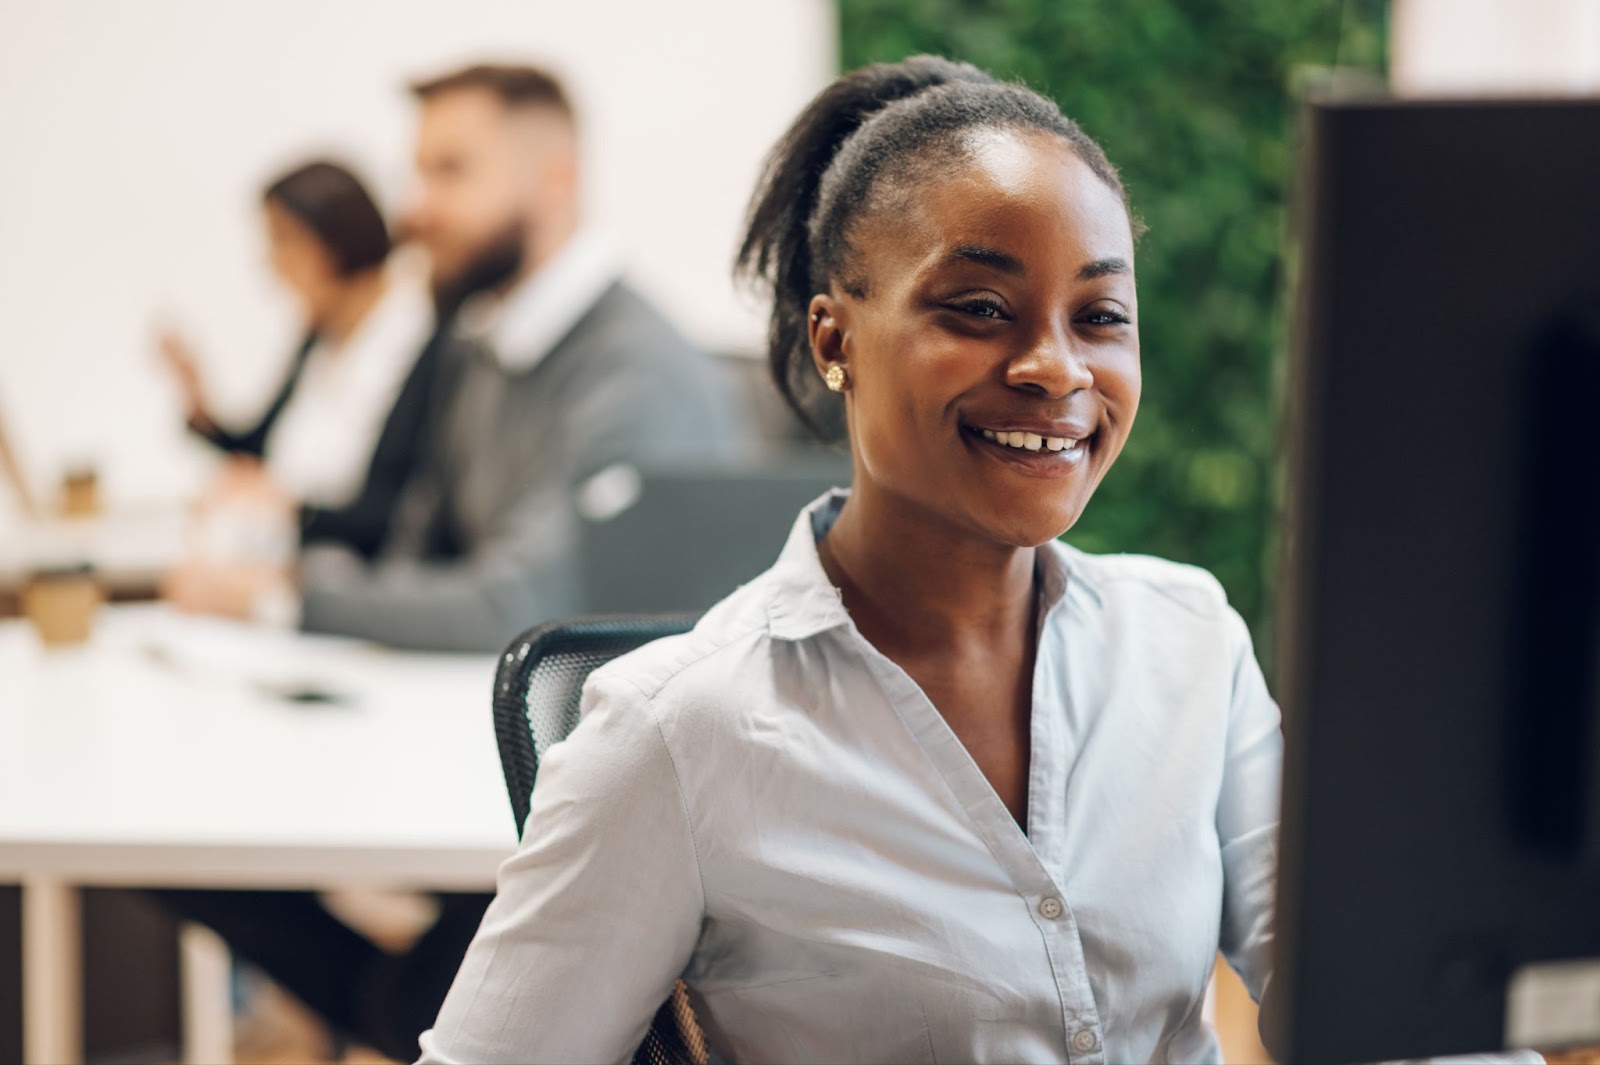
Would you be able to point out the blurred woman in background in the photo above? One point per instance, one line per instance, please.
(363, 330)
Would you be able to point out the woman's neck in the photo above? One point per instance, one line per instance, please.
(913, 582)
(355, 301)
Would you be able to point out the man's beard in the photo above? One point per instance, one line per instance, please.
(496, 263)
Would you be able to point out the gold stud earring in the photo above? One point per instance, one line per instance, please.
(836, 378)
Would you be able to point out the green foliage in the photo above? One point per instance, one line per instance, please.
(1192, 100)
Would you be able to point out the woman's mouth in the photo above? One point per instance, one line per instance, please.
(1039, 454)
(1025, 441)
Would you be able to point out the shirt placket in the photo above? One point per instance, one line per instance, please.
(1047, 790)
(1047, 905)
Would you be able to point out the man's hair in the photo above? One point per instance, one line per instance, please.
(514, 85)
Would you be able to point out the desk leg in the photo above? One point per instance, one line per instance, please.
(52, 964)
(207, 997)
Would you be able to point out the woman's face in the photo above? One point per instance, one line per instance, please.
(302, 262)
(993, 355)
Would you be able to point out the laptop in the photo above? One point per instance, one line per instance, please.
(681, 538)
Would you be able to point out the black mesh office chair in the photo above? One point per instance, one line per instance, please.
(536, 693)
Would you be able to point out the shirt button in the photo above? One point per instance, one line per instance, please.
(1085, 1040)
(1050, 909)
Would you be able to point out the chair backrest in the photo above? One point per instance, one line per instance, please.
(537, 690)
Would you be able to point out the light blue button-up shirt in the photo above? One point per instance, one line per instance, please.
(774, 811)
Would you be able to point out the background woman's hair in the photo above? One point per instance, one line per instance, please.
(330, 201)
(876, 130)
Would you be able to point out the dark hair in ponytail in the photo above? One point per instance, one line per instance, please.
(868, 130)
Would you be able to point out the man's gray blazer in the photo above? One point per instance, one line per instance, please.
(484, 539)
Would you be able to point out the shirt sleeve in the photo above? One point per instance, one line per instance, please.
(253, 441)
(1247, 816)
(597, 913)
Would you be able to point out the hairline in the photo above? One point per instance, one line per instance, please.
(902, 187)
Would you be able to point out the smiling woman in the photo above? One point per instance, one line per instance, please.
(936, 786)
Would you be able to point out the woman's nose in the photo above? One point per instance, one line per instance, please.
(1052, 366)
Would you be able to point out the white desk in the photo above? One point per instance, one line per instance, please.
(156, 756)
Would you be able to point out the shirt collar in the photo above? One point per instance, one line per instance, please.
(524, 325)
(806, 603)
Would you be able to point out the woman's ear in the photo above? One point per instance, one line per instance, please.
(826, 332)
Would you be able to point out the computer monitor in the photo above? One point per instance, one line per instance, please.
(1439, 886)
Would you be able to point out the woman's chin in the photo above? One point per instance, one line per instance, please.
(1034, 526)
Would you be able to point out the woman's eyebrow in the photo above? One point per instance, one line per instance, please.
(990, 257)
(1102, 267)
(1010, 264)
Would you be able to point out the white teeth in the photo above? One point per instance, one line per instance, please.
(1031, 441)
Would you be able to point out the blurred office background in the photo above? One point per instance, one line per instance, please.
(136, 137)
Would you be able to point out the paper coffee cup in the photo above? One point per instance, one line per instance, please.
(61, 604)
(80, 494)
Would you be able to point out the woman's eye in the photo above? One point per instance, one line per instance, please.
(1104, 318)
(982, 309)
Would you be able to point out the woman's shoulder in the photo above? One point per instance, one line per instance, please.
(708, 658)
(1125, 579)
(1168, 608)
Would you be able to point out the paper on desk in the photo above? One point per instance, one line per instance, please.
(272, 660)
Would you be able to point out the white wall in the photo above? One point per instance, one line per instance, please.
(1495, 47)
(135, 136)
